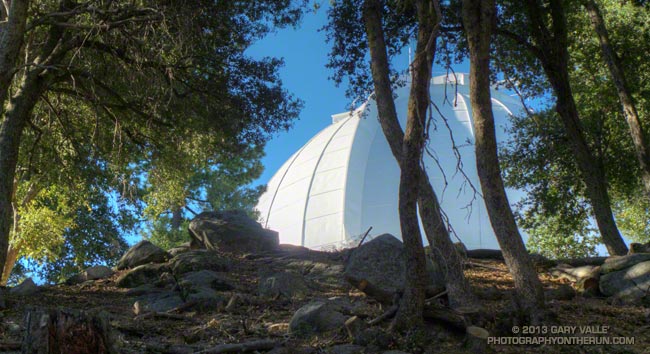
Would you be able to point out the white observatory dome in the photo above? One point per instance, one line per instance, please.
(345, 179)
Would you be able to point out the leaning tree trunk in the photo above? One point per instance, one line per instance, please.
(554, 57)
(437, 234)
(458, 288)
(13, 124)
(12, 30)
(627, 103)
(412, 302)
(478, 21)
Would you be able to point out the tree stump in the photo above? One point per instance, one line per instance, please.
(476, 339)
(66, 331)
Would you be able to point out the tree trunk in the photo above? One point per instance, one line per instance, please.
(554, 57)
(437, 234)
(12, 258)
(458, 288)
(627, 103)
(15, 119)
(409, 313)
(478, 21)
(67, 332)
(11, 41)
(177, 218)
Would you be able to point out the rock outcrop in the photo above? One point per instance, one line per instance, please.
(318, 316)
(378, 269)
(26, 288)
(630, 285)
(231, 231)
(142, 253)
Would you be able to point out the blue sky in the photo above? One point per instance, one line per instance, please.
(304, 74)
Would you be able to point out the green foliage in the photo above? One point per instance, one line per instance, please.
(539, 159)
(146, 107)
(166, 237)
(348, 55)
(554, 238)
(632, 218)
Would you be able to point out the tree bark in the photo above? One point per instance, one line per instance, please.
(411, 306)
(177, 218)
(554, 57)
(11, 41)
(15, 119)
(479, 18)
(437, 234)
(12, 257)
(67, 332)
(624, 95)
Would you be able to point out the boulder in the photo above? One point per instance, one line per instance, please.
(92, 273)
(639, 248)
(378, 269)
(160, 302)
(286, 284)
(26, 288)
(203, 294)
(616, 263)
(206, 279)
(231, 231)
(97, 272)
(192, 261)
(630, 286)
(141, 275)
(316, 317)
(142, 253)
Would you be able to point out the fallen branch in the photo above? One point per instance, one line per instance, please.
(386, 315)
(440, 294)
(485, 254)
(263, 344)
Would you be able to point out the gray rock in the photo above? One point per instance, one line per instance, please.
(98, 272)
(142, 253)
(26, 288)
(160, 302)
(205, 295)
(345, 349)
(199, 260)
(394, 352)
(92, 273)
(639, 248)
(616, 263)
(231, 231)
(287, 284)
(378, 269)
(140, 275)
(316, 317)
(206, 279)
(630, 286)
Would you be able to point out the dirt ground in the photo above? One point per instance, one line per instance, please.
(257, 318)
